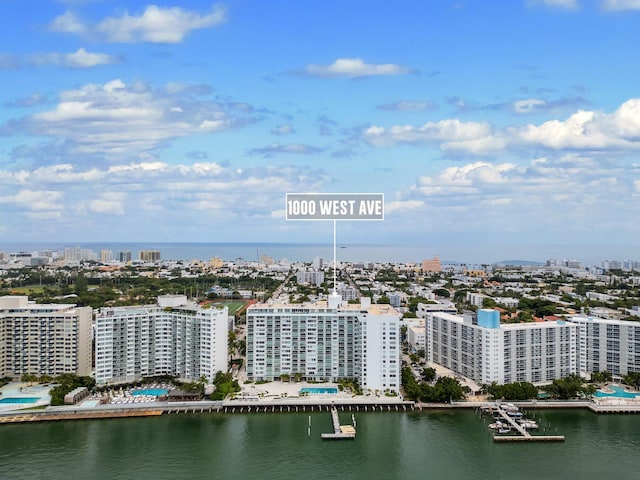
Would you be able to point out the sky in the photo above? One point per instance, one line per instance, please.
(494, 130)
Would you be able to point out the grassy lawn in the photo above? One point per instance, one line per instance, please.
(233, 305)
(27, 289)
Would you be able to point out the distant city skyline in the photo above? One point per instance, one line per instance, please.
(495, 130)
(300, 252)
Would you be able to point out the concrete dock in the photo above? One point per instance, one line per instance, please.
(340, 432)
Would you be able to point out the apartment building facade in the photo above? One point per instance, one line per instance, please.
(43, 339)
(488, 351)
(325, 341)
(608, 345)
(174, 337)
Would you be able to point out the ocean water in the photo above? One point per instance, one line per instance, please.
(443, 445)
(293, 252)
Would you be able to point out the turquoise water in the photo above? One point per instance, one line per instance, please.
(617, 392)
(19, 399)
(437, 445)
(315, 390)
(156, 392)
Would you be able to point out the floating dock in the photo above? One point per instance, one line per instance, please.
(340, 432)
(523, 434)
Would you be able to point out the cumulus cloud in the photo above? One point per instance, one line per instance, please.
(68, 22)
(583, 130)
(127, 119)
(568, 193)
(139, 197)
(155, 25)
(109, 203)
(78, 59)
(287, 148)
(355, 68)
(35, 200)
(407, 106)
(619, 5)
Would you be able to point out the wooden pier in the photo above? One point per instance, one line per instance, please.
(340, 432)
(523, 434)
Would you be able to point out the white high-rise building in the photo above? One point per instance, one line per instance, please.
(43, 339)
(489, 351)
(608, 345)
(325, 341)
(174, 337)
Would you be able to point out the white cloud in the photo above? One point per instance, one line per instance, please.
(430, 132)
(118, 118)
(35, 200)
(528, 105)
(583, 130)
(110, 203)
(398, 205)
(619, 5)
(78, 59)
(68, 22)
(354, 68)
(571, 193)
(155, 25)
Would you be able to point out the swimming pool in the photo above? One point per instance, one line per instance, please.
(14, 400)
(316, 390)
(617, 392)
(156, 392)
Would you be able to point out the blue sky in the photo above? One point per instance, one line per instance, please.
(501, 129)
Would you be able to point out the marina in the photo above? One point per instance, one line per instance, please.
(512, 426)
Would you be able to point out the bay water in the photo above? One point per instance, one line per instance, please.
(435, 445)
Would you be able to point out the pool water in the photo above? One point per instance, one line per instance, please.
(19, 400)
(617, 392)
(156, 392)
(315, 390)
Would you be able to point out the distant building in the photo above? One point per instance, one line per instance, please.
(43, 339)
(325, 341)
(432, 266)
(318, 263)
(476, 299)
(174, 337)
(416, 337)
(149, 256)
(347, 292)
(310, 277)
(124, 256)
(106, 256)
(216, 262)
(79, 254)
